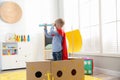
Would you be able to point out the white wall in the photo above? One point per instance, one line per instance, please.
(35, 12)
(38, 12)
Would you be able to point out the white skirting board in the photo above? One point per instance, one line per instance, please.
(107, 71)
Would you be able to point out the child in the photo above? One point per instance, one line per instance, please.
(59, 48)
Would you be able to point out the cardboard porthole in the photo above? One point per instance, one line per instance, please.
(10, 12)
(59, 74)
(73, 72)
(38, 74)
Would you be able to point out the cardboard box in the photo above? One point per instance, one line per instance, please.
(38, 70)
(56, 70)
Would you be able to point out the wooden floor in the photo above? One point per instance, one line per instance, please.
(105, 76)
(96, 74)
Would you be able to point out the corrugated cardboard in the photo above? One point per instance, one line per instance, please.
(68, 69)
(38, 70)
(56, 70)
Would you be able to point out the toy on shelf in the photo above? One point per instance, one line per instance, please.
(24, 38)
(12, 37)
(14, 52)
(8, 51)
(28, 38)
(42, 25)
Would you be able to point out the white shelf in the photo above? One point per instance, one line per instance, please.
(14, 55)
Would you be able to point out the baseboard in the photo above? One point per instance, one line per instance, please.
(107, 71)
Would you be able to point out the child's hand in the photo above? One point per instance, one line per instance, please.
(45, 27)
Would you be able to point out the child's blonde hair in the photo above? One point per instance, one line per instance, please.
(60, 22)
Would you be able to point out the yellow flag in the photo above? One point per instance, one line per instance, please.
(74, 41)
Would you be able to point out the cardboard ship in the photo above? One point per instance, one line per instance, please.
(72, 69)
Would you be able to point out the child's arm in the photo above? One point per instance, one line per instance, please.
(53, 32)
(46, 32)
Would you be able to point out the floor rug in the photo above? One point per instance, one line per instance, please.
(21, 75)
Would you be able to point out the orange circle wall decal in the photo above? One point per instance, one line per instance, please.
(10, 12)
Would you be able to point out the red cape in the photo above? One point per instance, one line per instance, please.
(64, 44)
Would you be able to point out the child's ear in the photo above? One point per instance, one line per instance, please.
(54, 24)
